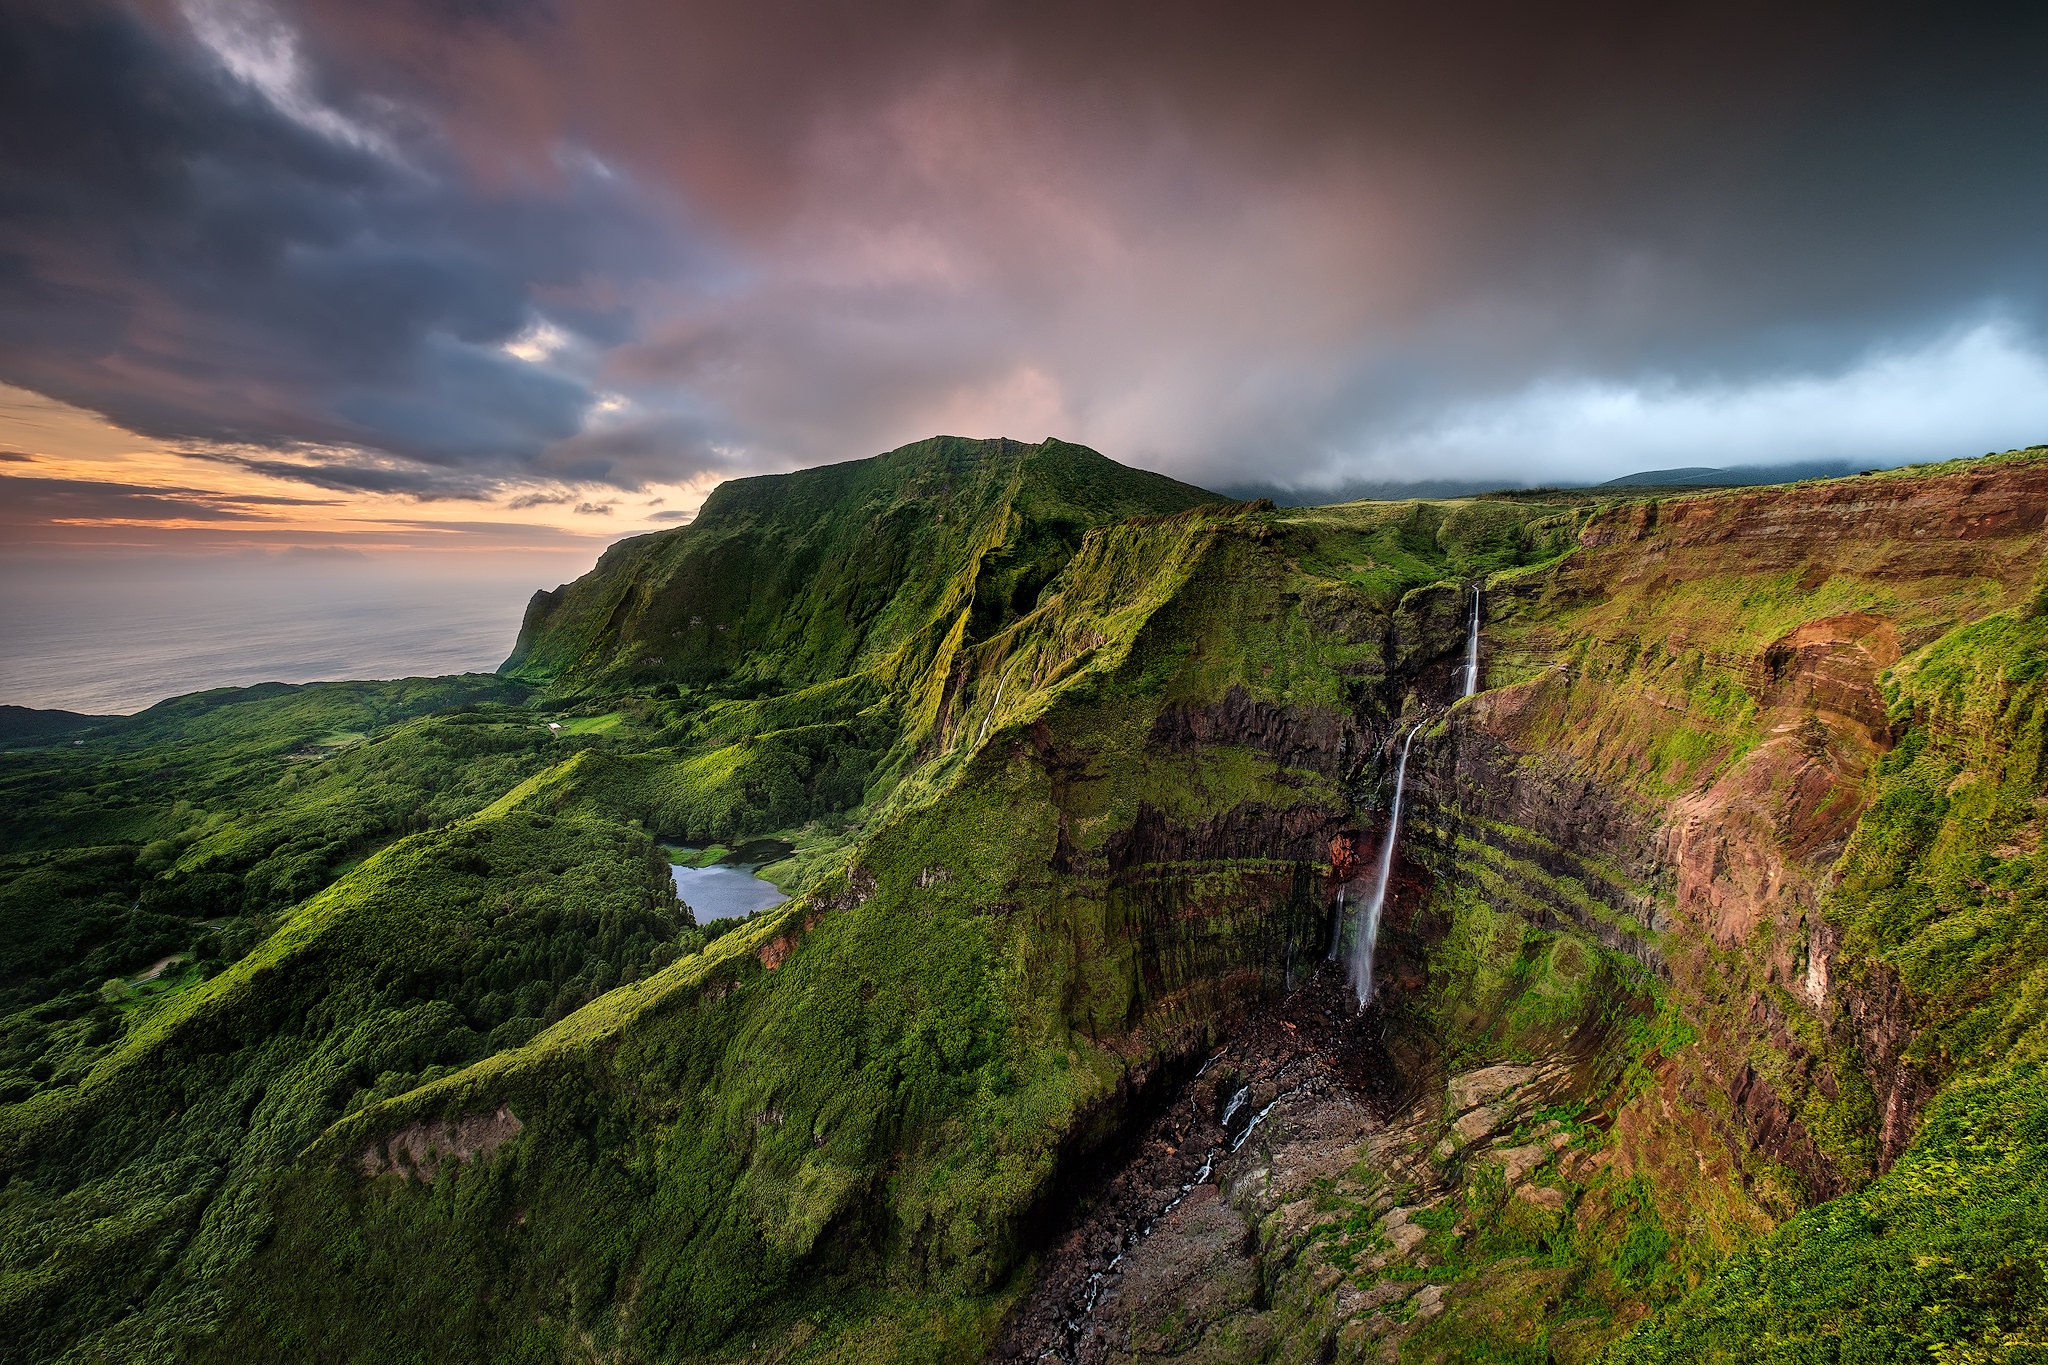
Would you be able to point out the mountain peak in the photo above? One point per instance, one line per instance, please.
(798, 576)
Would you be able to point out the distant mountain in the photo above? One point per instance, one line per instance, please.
(1398, 490)
(1365, 490)
(1735, 476)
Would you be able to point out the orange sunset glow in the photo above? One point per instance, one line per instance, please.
(74, 481)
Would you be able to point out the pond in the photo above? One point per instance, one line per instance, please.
(724, 891)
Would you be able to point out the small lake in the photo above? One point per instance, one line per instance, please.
(724, 892)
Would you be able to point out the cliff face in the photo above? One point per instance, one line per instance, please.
(1679, 917)
(1713, 915)
(1703, 721)
(1724, 663)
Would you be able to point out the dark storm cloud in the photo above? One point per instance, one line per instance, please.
(425, 483)
(1294, 245)
(649, 444)
(1199, 233)
(197, 256)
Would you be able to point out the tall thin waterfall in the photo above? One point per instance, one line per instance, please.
(1472, 648)
(1363, 944)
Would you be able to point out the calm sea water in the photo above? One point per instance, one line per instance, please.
(114, 639)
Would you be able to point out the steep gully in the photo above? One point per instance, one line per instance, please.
(1322, 1058)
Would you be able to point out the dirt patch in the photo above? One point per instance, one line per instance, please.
(419, 1149)
(1753, 847)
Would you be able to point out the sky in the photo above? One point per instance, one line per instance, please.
(516, 278)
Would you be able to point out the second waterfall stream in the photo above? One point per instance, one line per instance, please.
(1363, 943)
(1472, 647)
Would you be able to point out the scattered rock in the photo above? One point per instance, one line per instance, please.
(1481, 1122)
(1578, 1165)
(1477, 1087)
(1517, 1162)
(1405, 1236)
(420, 1148)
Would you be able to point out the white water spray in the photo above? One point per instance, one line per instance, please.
(1472, 648)
(1362, 946)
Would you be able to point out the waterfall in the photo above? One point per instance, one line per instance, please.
(1337, 934)
(1472, 648)
(1362, 946)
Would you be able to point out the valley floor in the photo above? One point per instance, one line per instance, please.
(1307, 1193)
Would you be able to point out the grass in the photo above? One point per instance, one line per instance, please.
(442, 948)
(1940, 1259)
(593, 725)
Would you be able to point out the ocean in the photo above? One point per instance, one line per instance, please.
(115, 638)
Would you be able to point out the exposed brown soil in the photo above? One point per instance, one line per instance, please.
(1928, 526)
(418, 1149)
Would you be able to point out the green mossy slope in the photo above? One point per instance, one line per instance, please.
(888, 1102)
(1940, 1259)
(790, 579)
(139, 1186)
(1739, 840)
(1828, 745)
(1945, 1256)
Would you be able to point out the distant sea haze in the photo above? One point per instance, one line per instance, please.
(107, 639)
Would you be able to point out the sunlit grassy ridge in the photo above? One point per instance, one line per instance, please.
(822, 574)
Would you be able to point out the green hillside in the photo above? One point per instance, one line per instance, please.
(360, 1022)
(789, 579)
